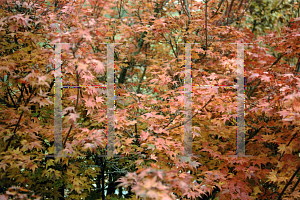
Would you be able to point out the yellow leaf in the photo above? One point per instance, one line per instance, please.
(49, 163)
(273, 177)
(256, 190)
(109, 33)
(282, 148)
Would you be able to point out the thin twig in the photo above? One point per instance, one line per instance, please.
(171, 120)
(78, 89)
(293, 137)
(276, 61)
(132, 95)
(18, 123)
(194, 114)
(219, 6)
(141, 80)
(250, 92)
(12, 100)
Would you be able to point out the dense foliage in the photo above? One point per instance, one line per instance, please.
(149, 113)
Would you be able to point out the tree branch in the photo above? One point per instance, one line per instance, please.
(219, 6)
(12, 100)
(276, 61)
(252, 135)
(296, 184)
(171, 120)
(288, 183)
(293, 137)
(140, 43)
(274, 9)
(18, 123)
(141, 80)
(229, 10)
(6, 103)
(187, 9)
(250, 92)
(194, 114)
(78, 89)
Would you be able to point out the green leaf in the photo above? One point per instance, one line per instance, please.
(151, 146)
(34, 114)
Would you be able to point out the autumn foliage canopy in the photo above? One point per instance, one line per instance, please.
(149, 99)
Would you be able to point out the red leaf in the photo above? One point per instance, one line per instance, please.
(155, 90)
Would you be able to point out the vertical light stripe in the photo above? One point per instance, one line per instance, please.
(240, 134)
(240, 140)
(188, 102)
(110, 101)
(57, 103)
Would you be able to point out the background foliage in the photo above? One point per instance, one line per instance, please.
(149, 77)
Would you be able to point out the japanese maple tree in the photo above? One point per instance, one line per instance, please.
(149, 113)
